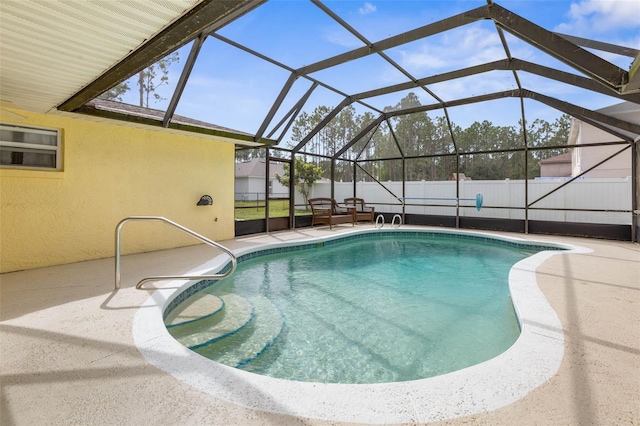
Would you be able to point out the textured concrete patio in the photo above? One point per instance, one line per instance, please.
(68, 355)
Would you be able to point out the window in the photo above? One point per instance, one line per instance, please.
(29, 147)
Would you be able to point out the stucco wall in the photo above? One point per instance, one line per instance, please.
(110, 172)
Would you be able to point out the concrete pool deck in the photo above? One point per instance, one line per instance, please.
(68, 355)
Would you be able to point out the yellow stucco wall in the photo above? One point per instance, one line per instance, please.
(110, 172)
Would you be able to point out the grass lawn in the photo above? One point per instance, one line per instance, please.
(248, 210)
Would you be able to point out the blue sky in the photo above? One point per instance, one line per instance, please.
(231, 88)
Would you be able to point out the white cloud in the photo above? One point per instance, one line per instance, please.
(457, 48)
(342, 38)
(589, 16)
(367, 8)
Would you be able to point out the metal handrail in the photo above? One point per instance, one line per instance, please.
(205, 240)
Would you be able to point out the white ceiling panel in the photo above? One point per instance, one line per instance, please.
(50, 49)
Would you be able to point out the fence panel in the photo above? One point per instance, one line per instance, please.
(601, 194)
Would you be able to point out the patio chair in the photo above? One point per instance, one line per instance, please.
(362, 211)
(327, 211)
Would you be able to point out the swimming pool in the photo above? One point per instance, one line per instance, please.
(528, 363)
(384, 307)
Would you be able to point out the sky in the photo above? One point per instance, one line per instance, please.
(232, 88)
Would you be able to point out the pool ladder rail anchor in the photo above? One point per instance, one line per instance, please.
(205, 240)
(380, 220)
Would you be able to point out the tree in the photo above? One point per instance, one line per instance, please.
(248, 154)
(306, 174)
(414, 134)
(427, 142)
(542, 134)
(148, 81)
(116, 92)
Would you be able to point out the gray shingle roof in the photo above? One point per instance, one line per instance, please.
(256, 168)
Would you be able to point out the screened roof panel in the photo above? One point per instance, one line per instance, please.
(568, 93)
(471, 44)
(392, 100)
(546, 85)
(623, 61)
(520, 49)
(295, 33)
(535, 110)
(360, 75)
(294, 99)
(320, 104)
(380, 20)
(169, 67)
(498, 112)
(475, 85)
(238, 97)
(604, 119)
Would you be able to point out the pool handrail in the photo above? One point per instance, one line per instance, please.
(205, 240)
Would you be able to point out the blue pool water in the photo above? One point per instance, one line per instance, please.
(384, 308)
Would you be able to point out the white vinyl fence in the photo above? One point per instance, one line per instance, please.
(598, 194)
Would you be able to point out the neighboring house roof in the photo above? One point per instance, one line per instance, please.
(155, 114)
(256, 168)
(562, 158)
(462, 176)
(621, 108)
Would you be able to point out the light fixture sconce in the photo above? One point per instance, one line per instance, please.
(205, 200)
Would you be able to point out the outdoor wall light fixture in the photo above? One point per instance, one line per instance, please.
(205, 200)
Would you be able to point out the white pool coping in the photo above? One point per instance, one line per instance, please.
(532, 360)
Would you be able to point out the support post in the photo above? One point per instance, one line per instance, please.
(404, 181)
(526, 167)
(267, 198)
(635, 194)
(355, 182)
(292, 192)
(457, 190)
(333, 178)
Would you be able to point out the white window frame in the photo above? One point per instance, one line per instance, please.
(56, 149)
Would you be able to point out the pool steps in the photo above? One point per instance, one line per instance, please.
(236, 314)
(202, 305)
(251, 341)
(231, 329)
